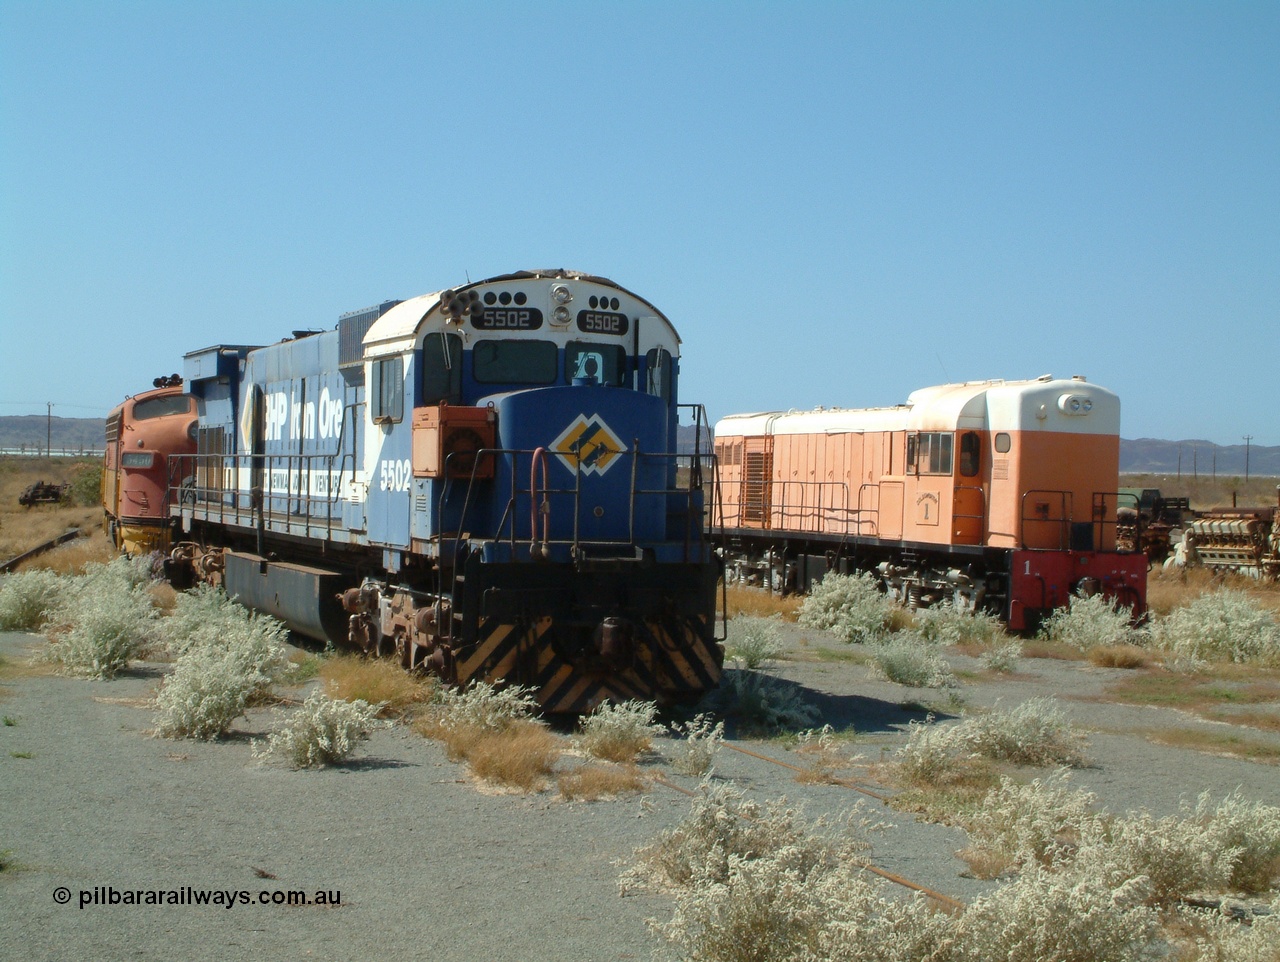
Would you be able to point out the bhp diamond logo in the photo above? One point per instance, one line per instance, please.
(588, 445)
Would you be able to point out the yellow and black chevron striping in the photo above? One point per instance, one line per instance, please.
(673, 659)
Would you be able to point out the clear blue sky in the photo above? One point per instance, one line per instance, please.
(836, 203)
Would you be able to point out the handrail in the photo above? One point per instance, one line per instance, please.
(1066, 515)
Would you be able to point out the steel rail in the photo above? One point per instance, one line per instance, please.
(41, 549)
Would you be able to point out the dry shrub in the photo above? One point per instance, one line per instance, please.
(377, 681)
(75, 556)
(820, 751)
(593, 782)
(619, 733)
(1038, 822)
(909, 660)
(756, 641)
(321, 731)
(493, 731)
(851, 606)
(702, 739)
(743, 600)
(521, 756)
(760, 703)
(1119, 656)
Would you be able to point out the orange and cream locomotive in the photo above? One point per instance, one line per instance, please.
(990, 495)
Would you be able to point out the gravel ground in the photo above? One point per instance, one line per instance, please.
(428, 866)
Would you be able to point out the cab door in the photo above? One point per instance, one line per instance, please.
(968, 502)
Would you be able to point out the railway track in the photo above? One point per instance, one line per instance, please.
(68, 535)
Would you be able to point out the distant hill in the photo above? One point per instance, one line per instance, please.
(29, 432)
(1149, 456)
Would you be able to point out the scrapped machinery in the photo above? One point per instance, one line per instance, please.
(1146, 521)
(1244, 540)
(43, 493)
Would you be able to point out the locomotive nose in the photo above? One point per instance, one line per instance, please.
(614, 641)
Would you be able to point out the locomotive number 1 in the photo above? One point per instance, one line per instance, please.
(394, 475)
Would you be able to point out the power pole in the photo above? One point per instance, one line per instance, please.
(48, 431)
(1247, 439)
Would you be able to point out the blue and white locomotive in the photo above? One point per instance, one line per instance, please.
(484, 481)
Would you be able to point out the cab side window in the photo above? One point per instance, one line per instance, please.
(970, 454)
(658, 373)
(441, 368)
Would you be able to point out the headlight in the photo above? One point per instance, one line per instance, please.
(561, 294)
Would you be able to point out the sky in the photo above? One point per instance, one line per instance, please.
(836, 203)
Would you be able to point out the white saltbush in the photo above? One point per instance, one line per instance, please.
(1042, 821)
(1174, 857)
(1002, 658)
(1033, 733)
(1222, 939)
(203, 695)
(851, 606)
(931, 753)
(28, 599)
(1252, 830)
(1222, 626)
(757, 884)
(761, 702)
(723, 825)
(105, 619)
(619, 732)
(703, 737)
(321, 731)
(756, 641)
(947, 625)
(908, 660)
(1063, 915)
(1091, 623)
(253, 643)
(482, 705)
(228, 659)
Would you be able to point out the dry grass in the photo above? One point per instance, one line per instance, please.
(23, 528)
(522, 756)
(1056, 650)
(72, 558)
(379, 682)
(593, 782)
(762, 604)
(1205, 491)
(1178, 587)
(519, 755)
(962, 790)
(1202, 694)
(1216, 743)
(1119, 656)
